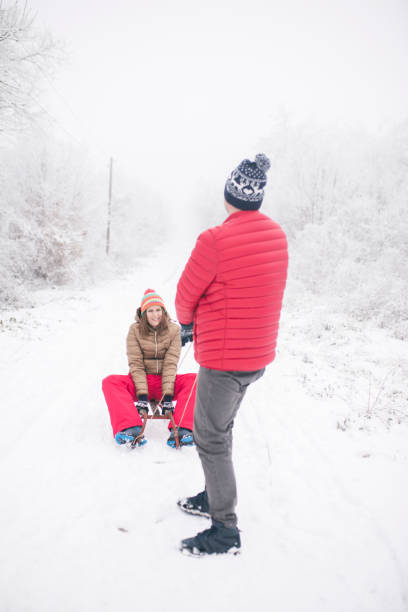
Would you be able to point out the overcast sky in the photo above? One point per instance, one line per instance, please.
(178, 89)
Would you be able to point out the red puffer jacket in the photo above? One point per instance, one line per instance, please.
(232, 288)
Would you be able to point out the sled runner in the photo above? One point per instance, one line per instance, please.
(156, 414)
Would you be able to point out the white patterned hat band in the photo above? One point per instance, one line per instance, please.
(245, 187)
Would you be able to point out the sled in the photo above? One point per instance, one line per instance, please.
(156, 414)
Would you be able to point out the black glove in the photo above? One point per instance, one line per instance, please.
(142, 404)
(186, 333)
(167, 404)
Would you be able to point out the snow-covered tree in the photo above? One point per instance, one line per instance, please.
(342, 197)
(45, 212)
(26, 56)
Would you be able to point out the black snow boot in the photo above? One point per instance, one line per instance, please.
(214, 541)
(196, 505)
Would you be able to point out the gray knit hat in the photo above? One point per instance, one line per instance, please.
(245, 187)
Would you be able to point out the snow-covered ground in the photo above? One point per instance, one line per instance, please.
(320, 456)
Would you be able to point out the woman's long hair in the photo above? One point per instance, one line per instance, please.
(146, 329)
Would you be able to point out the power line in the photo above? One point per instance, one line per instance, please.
(104, 154)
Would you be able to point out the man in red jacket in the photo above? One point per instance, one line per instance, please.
(229, 300)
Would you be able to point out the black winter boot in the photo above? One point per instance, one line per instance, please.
(196, 505)
(214, 541)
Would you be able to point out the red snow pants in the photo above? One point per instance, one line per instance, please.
(120, 395)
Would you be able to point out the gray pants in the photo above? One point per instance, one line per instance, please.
(219, 395)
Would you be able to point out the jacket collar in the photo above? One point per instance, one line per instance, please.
(240, 213)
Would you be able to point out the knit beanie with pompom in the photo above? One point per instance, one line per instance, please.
(245, 187)
(151, 298)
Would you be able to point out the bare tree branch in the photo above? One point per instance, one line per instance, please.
(25, 55)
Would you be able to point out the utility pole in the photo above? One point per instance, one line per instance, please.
(109, 206)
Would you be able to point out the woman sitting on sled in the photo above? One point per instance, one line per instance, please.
(153, 350)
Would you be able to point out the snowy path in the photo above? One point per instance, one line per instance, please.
(322, 511)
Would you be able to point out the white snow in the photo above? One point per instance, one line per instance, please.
(87, 526)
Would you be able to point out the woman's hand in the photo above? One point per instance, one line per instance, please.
(167, 404)
(142, 404)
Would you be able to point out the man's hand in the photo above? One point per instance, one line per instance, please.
(167, 404)
(186, 333)
(142, 404)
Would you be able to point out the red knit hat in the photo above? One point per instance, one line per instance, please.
(151, 298)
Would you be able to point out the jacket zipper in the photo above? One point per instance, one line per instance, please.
(157, 361)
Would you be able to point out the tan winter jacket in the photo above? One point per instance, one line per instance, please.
(157, 353)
